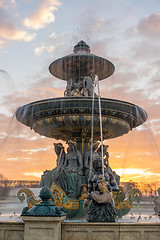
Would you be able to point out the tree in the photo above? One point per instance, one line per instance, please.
(3, 187)
(155, 186)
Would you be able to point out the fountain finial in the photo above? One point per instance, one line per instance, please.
(81, 47)
(45, 207)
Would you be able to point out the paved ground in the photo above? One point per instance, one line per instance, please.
(142, 212)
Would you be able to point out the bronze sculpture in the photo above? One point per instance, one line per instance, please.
(100, 189)
(87, 160)
(72, 171)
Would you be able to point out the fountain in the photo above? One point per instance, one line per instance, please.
(70, 118)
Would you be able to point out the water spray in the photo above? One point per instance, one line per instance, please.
(96, 83)
(100, 116)
(91, 146)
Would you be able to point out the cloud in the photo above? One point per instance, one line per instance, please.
(23, 146)
(150, 25)
(152, 89)
(35, 174)
(9, 30)
(2, 43)
(41, 89)
(137, 174)
(145, 51)
(43, 15)
(34, 150)
(12, 33)
(136, 171)
(7, 3)
(44, 48)
(54, 44)
(12, 27)
(52, 35)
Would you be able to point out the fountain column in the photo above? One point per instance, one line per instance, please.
(82, 146)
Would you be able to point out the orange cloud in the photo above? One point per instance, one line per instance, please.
(42, 89)
(43, 15)
(9, 31)
(23, 151)
(21, 148)
(13, 33)
(137, 175)
(150, 24)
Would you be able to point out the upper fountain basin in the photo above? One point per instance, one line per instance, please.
(80, 64)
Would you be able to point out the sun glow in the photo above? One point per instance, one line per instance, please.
(34, 174)
(137, 174)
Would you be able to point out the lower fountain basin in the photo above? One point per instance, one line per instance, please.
(71, 117)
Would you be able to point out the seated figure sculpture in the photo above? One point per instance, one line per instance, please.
(105, 154)
(59, 150)
(68, 173)
(80, 87)
(106, 161)
(88, 85)
(77, 88)
(100, 194)
(70, 177)
(87, 160)
(69, 87)
(50, 176)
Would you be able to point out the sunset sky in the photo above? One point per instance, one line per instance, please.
(34, 33)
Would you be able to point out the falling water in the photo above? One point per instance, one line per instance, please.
(7, 88)
(96, 82)
(125, 159)
(8, 132)
(138, 121)
(153, 139)
(91, 152)
(100, 116)
(6, 81)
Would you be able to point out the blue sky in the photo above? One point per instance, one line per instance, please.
(33, 33)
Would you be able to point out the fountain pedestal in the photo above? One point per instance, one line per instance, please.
(43, 221)
(43, 228)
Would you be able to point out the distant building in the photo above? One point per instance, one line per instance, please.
(7, 185)
(18, 183)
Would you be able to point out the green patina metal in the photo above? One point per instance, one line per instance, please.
(74, 208)
(45, 207)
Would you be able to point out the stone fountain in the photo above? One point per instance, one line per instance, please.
(69, 118)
